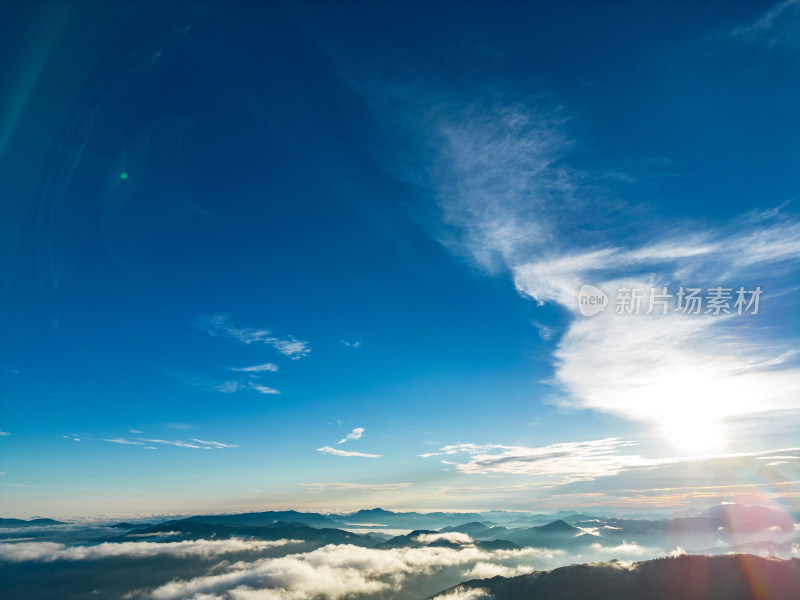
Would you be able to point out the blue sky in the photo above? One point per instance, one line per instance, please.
(328, 256)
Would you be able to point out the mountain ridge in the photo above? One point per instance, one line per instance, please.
(730, 577)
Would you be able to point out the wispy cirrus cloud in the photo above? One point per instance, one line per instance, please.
(194, 443)
(361, 487)
(124, 442)
(272, 368)
(778, 26)
(566, 462)
(178, 443)
(229, 387)
(509, 201)
(570, 462)
(263, 389)
(499, 178)
(347, 344)
(220, 326)
(215, 444)
(682, 364)
(337, 452)
(353, 435)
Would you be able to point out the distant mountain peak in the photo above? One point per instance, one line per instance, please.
(473, 528)
(373, 511)
(556, 526)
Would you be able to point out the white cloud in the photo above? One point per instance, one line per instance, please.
(154, 534)
(568, 462)
(215, 444)
(257, 368)
(347, 344)
(684, 373)
(337, 452)
(292, 348)
(178, 443)
(545, 332)
(229, 387)
(461, 593)
(353, 435)
(331, 572)
(487, 570)
(337, 572)
(263, 389)
(3, 433)
(498, 179)
(124, 442)
(51, 551)
(384, 531)
(509, 202)
(625, 548)
(203, 445)
(778, 458)
(219, 326)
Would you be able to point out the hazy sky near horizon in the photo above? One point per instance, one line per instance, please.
(328, 255)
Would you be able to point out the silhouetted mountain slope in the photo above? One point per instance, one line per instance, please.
(186, 529)
(519, 519)
(496, 545)
(786, 549)
(557, 534)
(131, 525)
(30, 523)
(737, 518)
(727, 523)
(758, 516)
(408, 520)
(639, 526)
(556, 527)
(474, 528)
(410, 539)
(494, 533)
(189, 529)
(270, 517)
(371, 513)
(417, 539)
(731, 577)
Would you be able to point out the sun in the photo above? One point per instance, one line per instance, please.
(693, 434)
